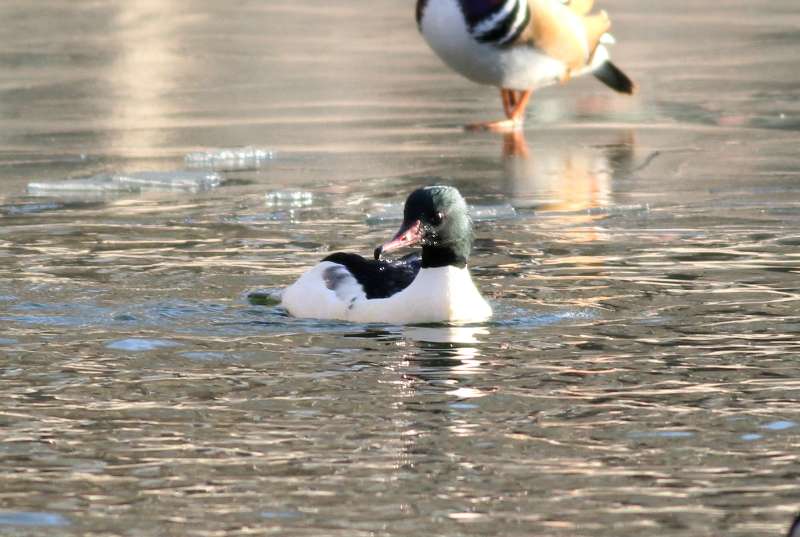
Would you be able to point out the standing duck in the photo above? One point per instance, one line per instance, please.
(434, 287)
(519, 46)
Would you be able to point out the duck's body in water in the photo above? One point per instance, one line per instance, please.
(433, 287)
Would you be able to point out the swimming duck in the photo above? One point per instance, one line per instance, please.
(434, 287)
(519, 46)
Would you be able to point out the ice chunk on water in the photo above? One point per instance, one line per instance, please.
(385, 212)
(488, 213)
(185, 181)
(176, 180)
(616, 210)
(31, 519)
(141, 344)
(289, 198)
(237, 158)
(29, 208)
(390, 212)
(780, 425)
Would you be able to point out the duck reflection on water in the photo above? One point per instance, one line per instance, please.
(437, 348)
(557, 175)
(437, 388)
(457, 347)
(560, 175)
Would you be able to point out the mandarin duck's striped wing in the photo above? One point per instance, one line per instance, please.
(565, 43)
(562, 29)
(561, 32)
(580, 7)
(496, 22)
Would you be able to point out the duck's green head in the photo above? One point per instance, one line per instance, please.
(437, 218)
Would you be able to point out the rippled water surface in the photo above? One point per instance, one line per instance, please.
(640, 376)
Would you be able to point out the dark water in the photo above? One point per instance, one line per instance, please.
(640, 377)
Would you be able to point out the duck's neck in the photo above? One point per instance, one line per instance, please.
(437, 256)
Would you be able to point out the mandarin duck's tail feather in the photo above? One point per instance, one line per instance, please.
(613, 77)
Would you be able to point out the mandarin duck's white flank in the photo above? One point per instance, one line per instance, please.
(433, 287)
(520, 45)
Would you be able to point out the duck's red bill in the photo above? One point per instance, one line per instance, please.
(407, 236)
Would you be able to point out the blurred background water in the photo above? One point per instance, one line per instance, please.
(641, 374)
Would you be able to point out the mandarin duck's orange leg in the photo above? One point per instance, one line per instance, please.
(514, 104)
(507, 96)
(518, 114)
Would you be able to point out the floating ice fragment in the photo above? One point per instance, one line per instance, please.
(29, 208)
(489, 213)
(141, 345)
(289, 198)
(781, 425)
(385, 212)
(390, 212)
(662, 434)
(751, 437)
(463, 406)
(238, 158)
(286, 215)
(32, 519)
(205, 356)
(612, 210)
(176, 180)
(184, 181)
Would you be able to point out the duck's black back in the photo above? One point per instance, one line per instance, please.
(379, 279)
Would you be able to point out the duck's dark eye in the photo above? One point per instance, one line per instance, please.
(437, 218)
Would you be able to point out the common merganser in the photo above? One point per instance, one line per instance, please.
(519, 46)
(431, 288)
